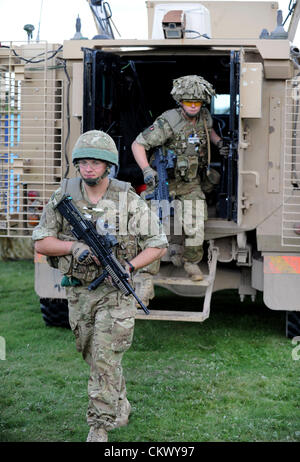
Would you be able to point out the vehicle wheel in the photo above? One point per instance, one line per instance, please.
(55, 312)
(292, 324)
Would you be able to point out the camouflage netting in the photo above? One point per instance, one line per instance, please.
(16, 248)
(192, 87)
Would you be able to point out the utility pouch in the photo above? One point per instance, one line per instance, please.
(193, 162)
(52, 261)
(62, 263)
(181, 167)
(186, 168)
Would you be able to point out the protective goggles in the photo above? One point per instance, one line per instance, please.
(92, 163)
(190, 103)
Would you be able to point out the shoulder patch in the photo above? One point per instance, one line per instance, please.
(148, 130)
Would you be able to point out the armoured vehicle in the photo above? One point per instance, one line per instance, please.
(50, 93)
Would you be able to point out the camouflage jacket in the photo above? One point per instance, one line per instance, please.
(127, 215)
(175, 132)
(187, 141)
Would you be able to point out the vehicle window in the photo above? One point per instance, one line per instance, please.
(220, 104)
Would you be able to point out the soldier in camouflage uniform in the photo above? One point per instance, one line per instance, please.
(102, 320)
(187, 131)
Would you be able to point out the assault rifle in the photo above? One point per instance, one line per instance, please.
(161, 194)
(101, 245)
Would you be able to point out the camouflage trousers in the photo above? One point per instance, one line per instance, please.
(190, 213)
(103, 324)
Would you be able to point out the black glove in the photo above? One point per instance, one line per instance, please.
(223, 148)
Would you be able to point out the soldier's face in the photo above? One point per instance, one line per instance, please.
(191, 108)
(91, 170)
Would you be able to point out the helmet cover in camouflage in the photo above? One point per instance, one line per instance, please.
(192, 87)
(95, 144)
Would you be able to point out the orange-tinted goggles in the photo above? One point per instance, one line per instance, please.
(192, 103)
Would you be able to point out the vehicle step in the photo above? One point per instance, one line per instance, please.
(160, 315)
(181, 281)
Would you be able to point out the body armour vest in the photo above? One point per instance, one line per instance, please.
(189, 142)
(112, 211)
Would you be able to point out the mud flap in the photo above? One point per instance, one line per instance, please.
(281, 282)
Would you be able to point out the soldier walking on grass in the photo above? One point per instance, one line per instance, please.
(102, 320)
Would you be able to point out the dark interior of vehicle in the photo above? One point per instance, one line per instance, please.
(124, 94)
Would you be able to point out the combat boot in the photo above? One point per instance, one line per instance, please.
(97, 435)
(193, 271)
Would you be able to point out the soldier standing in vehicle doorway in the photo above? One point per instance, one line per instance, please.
(187, 131)
(103, 319)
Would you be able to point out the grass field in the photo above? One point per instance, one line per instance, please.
(231, 378)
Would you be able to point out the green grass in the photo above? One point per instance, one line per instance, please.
(231, 378)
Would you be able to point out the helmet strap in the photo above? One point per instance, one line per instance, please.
(106, 173)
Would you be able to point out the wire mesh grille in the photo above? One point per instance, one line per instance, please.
(291, 187)
(31, 136)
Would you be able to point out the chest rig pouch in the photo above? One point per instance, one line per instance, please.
(190, 145)
(127, 247)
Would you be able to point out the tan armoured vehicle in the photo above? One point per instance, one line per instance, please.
(49, 94)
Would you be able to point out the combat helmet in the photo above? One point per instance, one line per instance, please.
(95, 144)
(192, 87)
